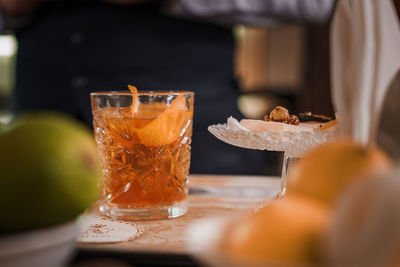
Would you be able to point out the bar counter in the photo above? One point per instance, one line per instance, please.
(165, 242)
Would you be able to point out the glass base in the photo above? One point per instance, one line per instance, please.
(163, 212)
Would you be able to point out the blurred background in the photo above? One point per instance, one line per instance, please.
(286, 64)
(8, 48)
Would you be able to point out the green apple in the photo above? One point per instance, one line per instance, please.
(49, 171)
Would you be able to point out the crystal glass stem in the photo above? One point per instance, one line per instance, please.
(287, 164)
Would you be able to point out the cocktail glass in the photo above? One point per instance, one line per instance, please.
(293, 143)
(144, 145)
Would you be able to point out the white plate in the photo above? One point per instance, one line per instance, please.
(50, 246)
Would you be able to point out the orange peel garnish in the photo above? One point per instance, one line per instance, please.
(168, 126)
(134, 91)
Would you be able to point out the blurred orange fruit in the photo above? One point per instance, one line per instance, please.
(284, 232)
(326, 171)
(365, 228)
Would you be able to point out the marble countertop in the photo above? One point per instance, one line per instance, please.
(210, 196)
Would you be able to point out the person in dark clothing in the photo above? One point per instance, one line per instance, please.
(68, 49)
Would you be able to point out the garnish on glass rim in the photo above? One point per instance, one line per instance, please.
(134, 91)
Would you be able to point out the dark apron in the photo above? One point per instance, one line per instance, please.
(73, 48)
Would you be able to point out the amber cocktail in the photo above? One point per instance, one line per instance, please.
(144, 144)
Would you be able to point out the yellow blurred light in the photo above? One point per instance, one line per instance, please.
(7, 45)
